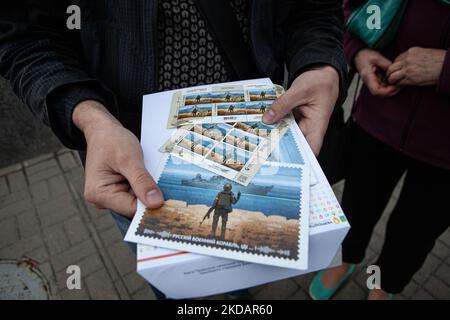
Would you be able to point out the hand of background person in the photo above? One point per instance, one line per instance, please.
(416, 67)
(311, 97)
(115, 175)
(372, 66)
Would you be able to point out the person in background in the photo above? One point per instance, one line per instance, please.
(87, 84)
(400, 127)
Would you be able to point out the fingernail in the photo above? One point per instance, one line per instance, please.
(269, 116)
(154, 197)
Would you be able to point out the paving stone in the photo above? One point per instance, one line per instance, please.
(58, 203)
(111, 236)
(19, 248)
(55, 238)
(254, 290)
(440, 250)
(9, 232)
(76, 230)
(76, 156)
(398, 188)
(380, 229)
(28, 224)
(338, 196)
(370, 258)
(39, 159)
(9, 169)
(40, 191)
(376, 243)
(360, 277)
(62, 151)
(428, 268)
(56, 210)
(339, 187)
(388, 210)
(304, 280)
(410, 290)
(76, 294)
(47, 270)
(421, 294)
(134, 282)
(4, 190)
(437, 288)
(445, 238)
(277, 290)
(13, 198)
(443, 273)
(104, 221)
(43, 174)
(15, 208)
(144, 294)
(121, 290)
(100, 286)
(57, 216)
(39, 166)
(110, 266)
(91, 264)
(300, 295)
(61, 279)
(73, 255)
(75, 177)
(58, 186)
(39, 255)
(67, 161)
(351, 291)
(76, 184)
(17, 181)
(123, 258)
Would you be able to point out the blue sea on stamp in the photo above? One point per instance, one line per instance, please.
(273, 191)
(287, 150)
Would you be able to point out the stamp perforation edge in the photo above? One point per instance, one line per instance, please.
(300, 245)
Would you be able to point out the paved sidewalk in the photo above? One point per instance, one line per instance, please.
(43, 217)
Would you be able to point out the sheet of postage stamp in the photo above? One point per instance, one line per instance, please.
(290, 149)
(221, 103)
(265, 222)
(235, 151)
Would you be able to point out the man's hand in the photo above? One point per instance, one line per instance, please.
(115, 172)
(311, 97)
(417, 67)
(372, 66)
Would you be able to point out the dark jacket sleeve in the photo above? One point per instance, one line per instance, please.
(315, 32)
(41, 59)
(443, 86)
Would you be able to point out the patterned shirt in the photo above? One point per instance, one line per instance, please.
(188, 54)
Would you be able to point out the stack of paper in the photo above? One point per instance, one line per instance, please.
(238, 190)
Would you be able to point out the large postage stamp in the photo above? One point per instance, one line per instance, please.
(235, 151)
(221, 103)
(264, 222)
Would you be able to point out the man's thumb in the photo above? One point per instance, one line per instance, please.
(280, 107)
(145, 188)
